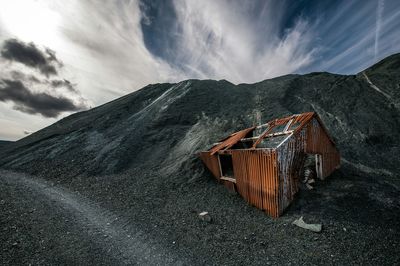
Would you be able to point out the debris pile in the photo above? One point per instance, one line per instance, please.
(309, 172)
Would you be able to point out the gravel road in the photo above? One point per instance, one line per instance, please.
(43, 223)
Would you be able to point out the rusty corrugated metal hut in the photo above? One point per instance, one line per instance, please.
(264, 163)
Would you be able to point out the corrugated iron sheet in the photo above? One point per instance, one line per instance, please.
(318, 142)
(232, 140)
(212, 163)
(256, 178)
(290, 158)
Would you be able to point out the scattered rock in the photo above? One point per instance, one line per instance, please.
(317, 228)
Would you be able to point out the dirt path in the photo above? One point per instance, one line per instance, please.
(67, 225)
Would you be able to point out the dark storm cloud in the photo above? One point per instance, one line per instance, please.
(29, 91)
(54, 83)
(30, 55)
(34, 103)
(58, 83)
(18, 75)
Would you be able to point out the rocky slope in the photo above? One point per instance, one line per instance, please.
(164, 123)
(136, 158)
(4, 143)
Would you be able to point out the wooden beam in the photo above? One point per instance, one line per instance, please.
(283, 141)
(268, 136)
(230, 179)
(261, 126)
(220, 168)
(288, 125)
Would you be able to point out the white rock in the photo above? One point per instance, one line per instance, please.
(205, 216)
(312, 227)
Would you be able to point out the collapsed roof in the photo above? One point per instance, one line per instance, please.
(270, 135)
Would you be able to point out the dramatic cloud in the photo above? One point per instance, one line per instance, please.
(34, 103)
(36, 87)
(241, 41)
(30, 55)
(116, 47)
(248, 41)
(63, 83)
(49, 83)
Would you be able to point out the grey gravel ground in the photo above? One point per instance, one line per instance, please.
(122, 219)
(122, 184)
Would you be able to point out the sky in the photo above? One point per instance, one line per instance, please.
(59, 57)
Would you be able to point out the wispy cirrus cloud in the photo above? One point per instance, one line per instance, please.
(247, 41)
(353, 35)
(379, 12)
(234, 40)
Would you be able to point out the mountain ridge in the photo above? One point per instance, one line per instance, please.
(261, 101)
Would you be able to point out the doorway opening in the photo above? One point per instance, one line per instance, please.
(312, 169)
(318, 166)
(226, 165)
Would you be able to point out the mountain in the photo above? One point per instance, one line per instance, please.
(361, 112)
(137, 157)
(3, 143)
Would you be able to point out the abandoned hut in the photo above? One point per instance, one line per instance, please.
(264, 163)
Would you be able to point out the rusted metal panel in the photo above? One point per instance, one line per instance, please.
(300, 120)
(256, 178)
(212, 163)
(232, 140)
(318, 142)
